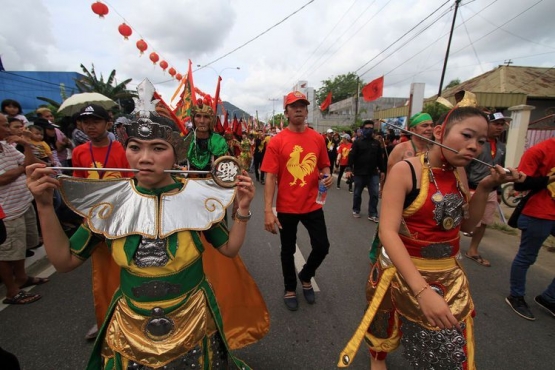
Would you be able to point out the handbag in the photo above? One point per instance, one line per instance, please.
(513, 220)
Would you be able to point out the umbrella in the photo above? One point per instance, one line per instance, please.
(76, 102)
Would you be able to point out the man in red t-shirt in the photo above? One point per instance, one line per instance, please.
(537, 222)
(296, 159)
(100, 151)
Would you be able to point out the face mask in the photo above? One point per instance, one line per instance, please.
(367, 132)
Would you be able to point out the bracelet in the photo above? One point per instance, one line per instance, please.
(242, 218)
(421, 291)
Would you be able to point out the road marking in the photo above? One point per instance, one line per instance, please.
(300, 262)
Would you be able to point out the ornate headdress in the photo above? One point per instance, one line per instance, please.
(148, 124)
(204, 106)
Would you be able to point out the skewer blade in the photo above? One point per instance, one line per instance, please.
(507, 171)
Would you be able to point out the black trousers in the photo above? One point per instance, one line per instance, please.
(315, 224)
(258, 157)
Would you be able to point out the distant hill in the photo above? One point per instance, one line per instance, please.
(232, 109)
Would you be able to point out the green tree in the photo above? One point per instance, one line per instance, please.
(118, 92)
(275, 121)
(342, 87)
(435, 110)
(453, 83)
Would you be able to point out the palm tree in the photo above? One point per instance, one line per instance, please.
(117, 92)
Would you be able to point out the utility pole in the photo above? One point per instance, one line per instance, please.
(356, 99)
(457, 2)
(273, 107)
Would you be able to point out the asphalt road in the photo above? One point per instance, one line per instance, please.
(49, 334)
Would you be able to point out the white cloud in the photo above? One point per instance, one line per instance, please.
(60, 35)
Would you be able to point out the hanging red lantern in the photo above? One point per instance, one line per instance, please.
(178, 77)
(154, 57)
(125, 30)
(172, 71)
(142, 46)
(164, 65)
(100, 9)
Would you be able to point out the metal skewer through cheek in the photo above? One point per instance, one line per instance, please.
(507, 171)
(224, 171)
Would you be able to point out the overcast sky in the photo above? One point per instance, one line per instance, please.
(324, 39)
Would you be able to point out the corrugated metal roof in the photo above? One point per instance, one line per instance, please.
(391, 112)
(535, 82)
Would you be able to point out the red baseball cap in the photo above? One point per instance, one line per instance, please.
(295, 96)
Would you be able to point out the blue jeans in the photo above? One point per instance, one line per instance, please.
(315, 224)
(534, 233)
(372, 182)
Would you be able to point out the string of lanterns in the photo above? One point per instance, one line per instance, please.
(101, 9)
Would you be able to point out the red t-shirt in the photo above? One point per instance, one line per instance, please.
(296, 158)
(344, 150)
(2, 215)
(110, 156)
(540, 161)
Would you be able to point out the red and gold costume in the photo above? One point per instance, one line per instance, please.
(430, 232)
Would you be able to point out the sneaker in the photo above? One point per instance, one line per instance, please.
(351, 191)
(291, 302)
(339, 187)
(356, 215)
(545, 304)
(374, 219)
(518, 304)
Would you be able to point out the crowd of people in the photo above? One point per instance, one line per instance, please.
(158, 272)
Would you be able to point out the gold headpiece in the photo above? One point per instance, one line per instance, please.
(204, 106)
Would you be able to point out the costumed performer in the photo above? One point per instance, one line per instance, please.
(417, 292)
(166, 312)
(203, 145)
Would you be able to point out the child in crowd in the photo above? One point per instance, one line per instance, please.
(41, 149)
(12, 109)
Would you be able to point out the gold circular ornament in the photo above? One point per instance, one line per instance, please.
(448, 223)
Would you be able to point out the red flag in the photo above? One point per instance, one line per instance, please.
(326, 103)
(226, 124)
(373, 90)
(217, 96)
(237, 127)
(219, 128)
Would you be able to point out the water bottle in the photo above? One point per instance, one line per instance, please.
(322, 191)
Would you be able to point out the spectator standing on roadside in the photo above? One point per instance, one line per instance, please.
(493, 153)
(537, 222)
(20, 220)
(296, 160)
(367, 165)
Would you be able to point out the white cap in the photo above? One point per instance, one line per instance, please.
(330, 131)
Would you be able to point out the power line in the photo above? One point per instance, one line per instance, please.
(259, 35)
(394, 42)
(470, 40)
(321, 42)
(350, 38)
